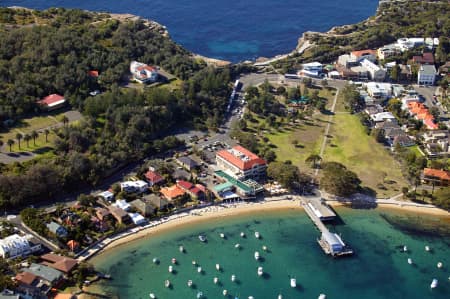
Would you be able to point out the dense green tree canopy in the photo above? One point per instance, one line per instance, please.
(338, 180)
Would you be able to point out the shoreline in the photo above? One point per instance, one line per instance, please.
(235, 210)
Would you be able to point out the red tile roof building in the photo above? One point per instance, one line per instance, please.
(59, 262)
(193, 191)
(53, 101)
(426, 58)
(240, 163)
(153, 178)
(170, 193)
(436, 176)
(422, 113)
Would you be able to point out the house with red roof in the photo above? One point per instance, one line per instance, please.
(421, 112)
(436, 176)
(426, 58)
(52, 102)
(241, 164)
(143, 73)
(59, 262)
(93, 73)
(172, 192)
(194, 191)
(153, 178)
(360, 55)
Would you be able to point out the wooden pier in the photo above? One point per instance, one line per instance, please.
(330, 243)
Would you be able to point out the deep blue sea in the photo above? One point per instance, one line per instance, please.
(231, 30)
(378, 270)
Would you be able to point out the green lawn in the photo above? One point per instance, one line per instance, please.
(351, 146)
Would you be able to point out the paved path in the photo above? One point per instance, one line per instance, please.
(327, 129)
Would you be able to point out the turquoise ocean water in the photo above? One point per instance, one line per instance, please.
(231, 30)
(378, 270)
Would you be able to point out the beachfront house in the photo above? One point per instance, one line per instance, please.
(191, 189)
(61, 263)
(119, 214)
(32, 285)
(241, 164)
(436, 177)
(173, 192)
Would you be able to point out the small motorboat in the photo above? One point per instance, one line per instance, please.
(242, 234)
(280, 296)
(189, 283)
(257, 255)
(217, 267)
(405, 249)
(167, 283)
(151, 295)
(264, 248)
(322, 296)
(410, 261)
(174, 261)
(225, 292)
(260, 271)
(257, 235)
(170, 269)
(440, 265)
(216, 280)
(237, 245)
(155, 260)
(434, 283)
(199, 269)
(293, 283)
(222, 235)
(181, 249)
(233, 277)
(251, 297)
(199, 295)
(202, 238)
(427, 248)
(194, 262)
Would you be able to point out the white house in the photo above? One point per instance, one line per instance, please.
(378, 90)
(376, 73)
(121, 203)
(426, 75)
(313, 69)
(134, 186)
(15, 245)
(107, 195)
(137, 219)
(383, 116)
(143, 73)
(388, 51)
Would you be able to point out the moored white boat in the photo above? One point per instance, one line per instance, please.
(440, 265)
(405, 249)
(237, 245)
(174, 261)
(222, 235)
(155, 260)
(202, 238)
(217, 267)
(257, 235)
(189, 283)
(167, 283)
(181, 249)
(257, 255)
(225, 292)
(153, 296)
(200, 295)
(322, 296)
(260, 271)
(242, 234)
(199, 269)
(427, 248)
(170, 269)
(280, 296)
(233, 277)
(264, 248)
(194, 262)
(410, 261)
(251, 297)
(293, 283)
(216, 280)
(434, 283)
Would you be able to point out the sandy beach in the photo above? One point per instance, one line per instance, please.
(216, 212)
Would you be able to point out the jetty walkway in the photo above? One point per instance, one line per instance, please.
(318, 211)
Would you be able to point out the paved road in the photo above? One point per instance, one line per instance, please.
(428, 93)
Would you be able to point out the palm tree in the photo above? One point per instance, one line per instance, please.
(19, 136)
(65, 120)
(34, 135)
(46, 132)
(10, 142)
(313, 158)
(27, 138)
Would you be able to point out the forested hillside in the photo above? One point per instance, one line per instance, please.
(52, 51)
